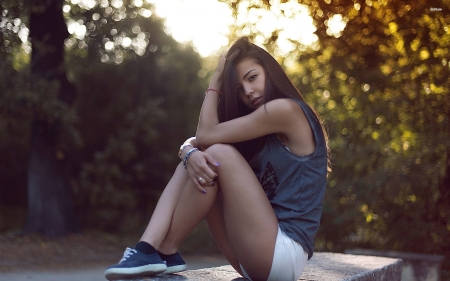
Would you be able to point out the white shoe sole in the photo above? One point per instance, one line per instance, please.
(126, 273)
(175, 269)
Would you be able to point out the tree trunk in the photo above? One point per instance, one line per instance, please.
(50, 210)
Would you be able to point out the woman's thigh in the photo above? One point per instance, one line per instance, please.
(248, 218)
(216, 225)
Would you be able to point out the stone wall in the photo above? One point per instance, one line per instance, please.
(416, 267)
(321, 267)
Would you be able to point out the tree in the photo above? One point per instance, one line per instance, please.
(50, 209)
(14, 124)
(49, 202)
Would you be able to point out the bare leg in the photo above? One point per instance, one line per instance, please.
(161, 218)
(216, 225)
(192, 207)
(248, 219)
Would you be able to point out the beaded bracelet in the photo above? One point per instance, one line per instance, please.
(182, 149)
(188, 155)
(211, 89)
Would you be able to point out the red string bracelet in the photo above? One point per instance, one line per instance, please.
(214, 90)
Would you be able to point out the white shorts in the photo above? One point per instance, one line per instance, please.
(289, 260)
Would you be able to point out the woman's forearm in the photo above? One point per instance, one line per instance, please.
(208, 115)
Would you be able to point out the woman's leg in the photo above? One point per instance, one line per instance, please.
(191, 208)
(178, 211)
(216, 224)
(161, 218)
(248, 219)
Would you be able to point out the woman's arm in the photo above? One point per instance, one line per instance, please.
(274, 117)
(208, 114)
(277, 116)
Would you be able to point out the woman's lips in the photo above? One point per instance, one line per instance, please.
(256, 101)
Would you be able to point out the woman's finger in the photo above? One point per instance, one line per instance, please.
(211, 162)
(202, 180)
(206, 169)
(198, 185)
(200, 169)
(207, 180)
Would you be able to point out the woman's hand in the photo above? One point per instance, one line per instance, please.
(216, 80)
(200, 168)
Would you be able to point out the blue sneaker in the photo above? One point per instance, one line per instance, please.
(135, 264)
(175, 264)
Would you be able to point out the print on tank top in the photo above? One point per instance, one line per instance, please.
(269, 181)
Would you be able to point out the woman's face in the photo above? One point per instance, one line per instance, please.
(251, 82)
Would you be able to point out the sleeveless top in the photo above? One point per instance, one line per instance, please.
(295, 185)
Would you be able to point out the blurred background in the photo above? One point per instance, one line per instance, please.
(96, 97)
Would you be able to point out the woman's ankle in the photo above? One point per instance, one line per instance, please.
(167, 250)
(145, 247)
(166, 256)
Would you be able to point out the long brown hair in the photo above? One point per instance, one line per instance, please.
(277, 85)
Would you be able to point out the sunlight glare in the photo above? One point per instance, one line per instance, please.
(205, 23)
(336, 25)
(76, 28)
(290, 19)
(86, 4)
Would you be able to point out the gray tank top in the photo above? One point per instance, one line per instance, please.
(295, 185)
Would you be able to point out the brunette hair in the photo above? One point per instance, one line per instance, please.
(277, 85)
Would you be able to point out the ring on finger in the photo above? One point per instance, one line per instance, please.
(199, 179)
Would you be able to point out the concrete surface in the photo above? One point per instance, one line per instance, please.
(96, 273)
(323, 266)
(416, 267)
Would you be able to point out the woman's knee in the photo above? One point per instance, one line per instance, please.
(222, 151)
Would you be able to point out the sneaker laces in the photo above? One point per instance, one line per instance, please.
(128, 252)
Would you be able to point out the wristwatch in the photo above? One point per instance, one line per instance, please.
(182, 148)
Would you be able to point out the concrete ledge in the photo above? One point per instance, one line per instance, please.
(343, 267)
(416, 267)
(322, 266)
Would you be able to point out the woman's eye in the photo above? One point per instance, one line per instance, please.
(253, 77)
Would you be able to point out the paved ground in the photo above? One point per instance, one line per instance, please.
(94, 273)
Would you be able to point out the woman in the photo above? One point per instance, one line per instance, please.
(259, 160)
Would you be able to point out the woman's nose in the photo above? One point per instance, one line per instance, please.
(248, 90)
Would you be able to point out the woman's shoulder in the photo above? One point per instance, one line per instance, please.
(288, 113)
(284, 104)
(285, 107)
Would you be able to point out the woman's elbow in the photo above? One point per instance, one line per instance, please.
(201, 139)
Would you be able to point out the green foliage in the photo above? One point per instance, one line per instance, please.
(13, 33)
(136, 103)
(21, 100)
(15, 125)
(135, 109)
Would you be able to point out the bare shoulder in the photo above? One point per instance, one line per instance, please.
(284, 103)
(281, 105)
(286, 109)
(297, 133)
